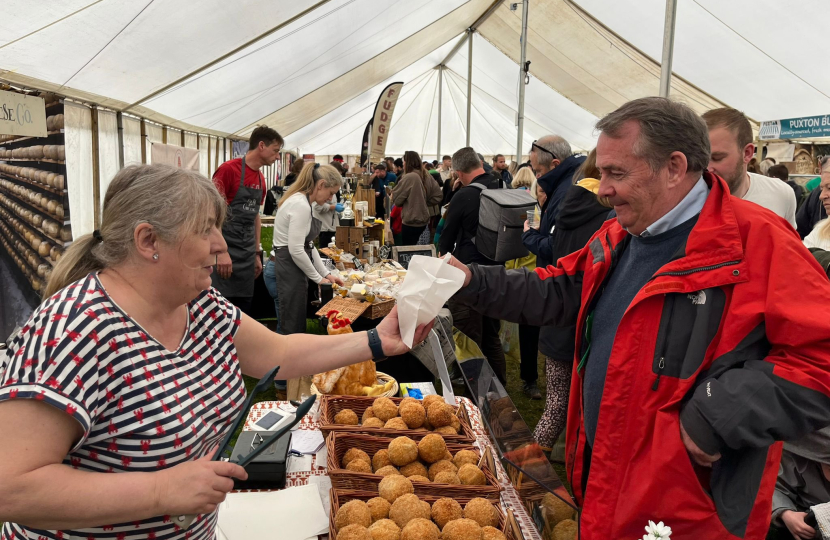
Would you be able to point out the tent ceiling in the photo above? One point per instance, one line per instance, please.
(752, 54)
(320, 64)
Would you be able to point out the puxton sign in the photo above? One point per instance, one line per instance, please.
(22, 115)
(382, 122)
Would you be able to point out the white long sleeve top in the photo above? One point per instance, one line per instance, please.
(291, 226)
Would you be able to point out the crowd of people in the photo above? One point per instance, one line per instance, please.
(663, 287)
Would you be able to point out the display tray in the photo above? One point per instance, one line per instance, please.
(331, 405)
(34, 184)
(337, 444)
(20, 139)
(341, 497)
(33, 160)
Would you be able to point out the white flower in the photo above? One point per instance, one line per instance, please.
(656, 531)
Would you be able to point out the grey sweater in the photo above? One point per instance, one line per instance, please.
(638, 263)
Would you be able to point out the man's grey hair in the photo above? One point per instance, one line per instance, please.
(466, 160)
(665, 126)
(555, 144)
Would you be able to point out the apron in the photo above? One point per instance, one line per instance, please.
(292, 283)
(239, 234)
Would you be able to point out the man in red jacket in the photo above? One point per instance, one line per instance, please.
(697, 350)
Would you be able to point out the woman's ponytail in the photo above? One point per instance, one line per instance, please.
(74, 264)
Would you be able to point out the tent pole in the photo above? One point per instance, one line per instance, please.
(469, 83)
(668, 48)
(120, 121)
(522, 78)
(96, 169)
(440, 100)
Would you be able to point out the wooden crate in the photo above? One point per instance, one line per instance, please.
(337, 444)
(331, 405)
(365, 194)
(340, 497)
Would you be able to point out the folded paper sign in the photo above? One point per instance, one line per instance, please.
(430, 282)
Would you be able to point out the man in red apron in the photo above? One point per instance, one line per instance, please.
(243, 187)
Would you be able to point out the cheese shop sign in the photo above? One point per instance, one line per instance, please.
(22, 115)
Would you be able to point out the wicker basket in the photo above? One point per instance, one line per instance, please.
(382, 378)
(340, 497)
(331, 405)
(337, 444)
(379, 309)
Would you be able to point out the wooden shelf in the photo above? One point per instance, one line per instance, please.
(59, 162)
(15, 235)
(20, 139)
(35, 208)
(34, 184)
(46, 235)
(55, 104)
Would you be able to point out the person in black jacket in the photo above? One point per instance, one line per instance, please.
(457, 237)
(580, 215)
(812, 211)
(551, 157)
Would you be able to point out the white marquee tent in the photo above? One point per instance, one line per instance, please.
(198, 72)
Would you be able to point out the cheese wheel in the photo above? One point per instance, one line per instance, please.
(44, 249)
(61, 153)
(66, 234)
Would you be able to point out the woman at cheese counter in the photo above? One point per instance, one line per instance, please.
(132, 365)
(295, 229)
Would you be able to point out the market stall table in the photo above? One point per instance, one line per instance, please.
(509, 496)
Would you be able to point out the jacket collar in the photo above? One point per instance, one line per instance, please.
(562, 173)
(715, 238)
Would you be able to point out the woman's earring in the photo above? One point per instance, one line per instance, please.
(155, 256)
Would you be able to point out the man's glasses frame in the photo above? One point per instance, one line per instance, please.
(534, 145)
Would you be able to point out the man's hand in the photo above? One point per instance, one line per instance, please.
(463, 267)
(699, 456)
(257, 265)
(225, 266)
(796, 525)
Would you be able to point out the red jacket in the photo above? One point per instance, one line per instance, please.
(732, 336)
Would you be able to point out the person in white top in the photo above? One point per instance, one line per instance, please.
(295, 259)
(730, 136)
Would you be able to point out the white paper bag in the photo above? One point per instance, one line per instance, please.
(429, 283)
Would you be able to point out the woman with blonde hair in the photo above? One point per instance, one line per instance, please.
(524, 178)
(133, 365)
(296, 261)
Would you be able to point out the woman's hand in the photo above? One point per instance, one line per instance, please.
(527, 226)
(796, 525)
(333, 279)
(389, 332)
(195, 487)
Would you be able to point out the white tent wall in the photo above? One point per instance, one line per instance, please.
(107, 151)
(203, 155)
(154, 133)
(174, 137)
(191, 140)
(132, 140)
(78, 148)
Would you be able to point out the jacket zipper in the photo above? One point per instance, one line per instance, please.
(661, 364)
(695, 270)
